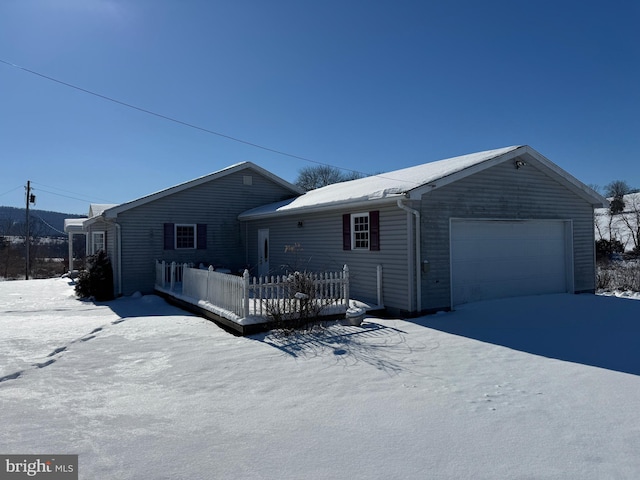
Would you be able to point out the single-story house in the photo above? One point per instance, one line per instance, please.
(493, 224)
(194, 222)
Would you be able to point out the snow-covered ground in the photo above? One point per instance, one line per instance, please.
(538, 387)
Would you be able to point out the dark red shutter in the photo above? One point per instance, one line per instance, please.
(105, 242)
(202, 236)
(169, 243)
(374, 230)
(346, 231)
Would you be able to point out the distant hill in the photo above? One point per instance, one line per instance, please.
(43, 223)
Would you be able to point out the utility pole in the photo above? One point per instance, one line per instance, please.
(30, 199)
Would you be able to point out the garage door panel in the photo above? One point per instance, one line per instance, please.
(494, 259)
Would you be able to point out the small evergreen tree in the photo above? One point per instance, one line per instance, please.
(97, 280)
(616, 206)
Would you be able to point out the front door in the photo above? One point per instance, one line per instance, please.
(263, 252)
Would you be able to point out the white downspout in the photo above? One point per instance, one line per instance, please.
(119, 235)
(417, 255)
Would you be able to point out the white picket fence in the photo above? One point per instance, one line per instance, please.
(169, 275)
(245, 295)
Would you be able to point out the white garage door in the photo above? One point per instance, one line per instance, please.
(495, 259)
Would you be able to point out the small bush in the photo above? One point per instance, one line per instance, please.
(606, 248)
(298, 301)
(623, 276)
(97, 280)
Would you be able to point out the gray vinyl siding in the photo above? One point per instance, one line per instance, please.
(501, 192)
(216, 203)
(320, 240)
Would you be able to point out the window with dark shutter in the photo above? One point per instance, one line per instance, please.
(169, 242)
(361, 231)
(202, 236)
(346, 231)
(374, 230)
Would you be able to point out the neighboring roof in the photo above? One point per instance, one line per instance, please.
(96, 209)
(412, 182)
(73, 225)
(112, 211)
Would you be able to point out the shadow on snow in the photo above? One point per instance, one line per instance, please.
(588, 329)
(371, 343)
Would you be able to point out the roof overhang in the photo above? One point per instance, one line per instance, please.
(90, 221)
(74, 225)
(256, 213)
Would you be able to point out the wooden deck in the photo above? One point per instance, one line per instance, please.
(252, 324)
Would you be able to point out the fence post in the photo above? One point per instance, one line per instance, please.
(379, 279)
(173, 275)
(345, 275)
(245, 277)
(208, 295)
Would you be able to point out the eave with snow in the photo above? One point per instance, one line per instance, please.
(412, 182)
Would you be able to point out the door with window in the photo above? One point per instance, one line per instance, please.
(263, 252)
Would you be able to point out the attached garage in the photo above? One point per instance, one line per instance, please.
(499, 223)
(506, 258)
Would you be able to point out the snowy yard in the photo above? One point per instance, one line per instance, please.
(537, 387)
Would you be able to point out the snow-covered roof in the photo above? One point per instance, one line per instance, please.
(408, 182)
(96, 209)
(73, 225)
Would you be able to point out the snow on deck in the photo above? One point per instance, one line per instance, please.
(254, 321)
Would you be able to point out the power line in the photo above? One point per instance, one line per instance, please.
(12, 190)
(187, 124)
(68, 191)
(65, 196)
(47, 224)
(171, 119)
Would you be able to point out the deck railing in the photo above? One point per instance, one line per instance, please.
(245, 295)
(169, 276)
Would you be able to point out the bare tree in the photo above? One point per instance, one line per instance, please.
(310, 178)
(617, 188)
(631, 219)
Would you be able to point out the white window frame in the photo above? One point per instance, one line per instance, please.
(102, 243)
(195, 235)
(355, 240)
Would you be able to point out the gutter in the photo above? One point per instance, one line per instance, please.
(340, 205)
(119, 240)
(417, 253)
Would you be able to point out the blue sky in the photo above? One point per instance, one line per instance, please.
(368, 86)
